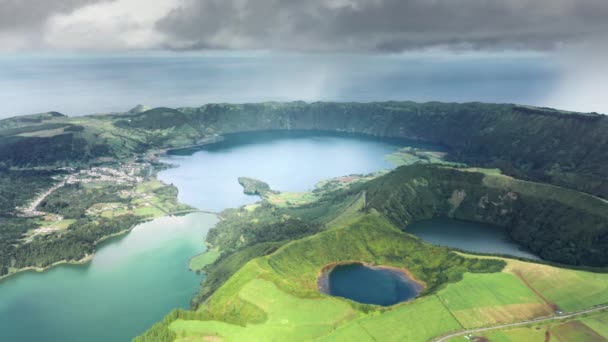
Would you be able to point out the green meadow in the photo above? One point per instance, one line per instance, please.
(198, 262)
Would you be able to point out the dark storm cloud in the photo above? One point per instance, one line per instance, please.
(383, 25)
(30, 15)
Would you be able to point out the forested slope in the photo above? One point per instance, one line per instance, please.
(558, 224)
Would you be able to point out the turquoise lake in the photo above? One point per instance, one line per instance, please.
(132, 282)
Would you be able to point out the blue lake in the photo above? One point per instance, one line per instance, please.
(370, 285)
(286, 160)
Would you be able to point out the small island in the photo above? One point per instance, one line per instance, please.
(252, 186)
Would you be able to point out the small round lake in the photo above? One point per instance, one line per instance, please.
(369, 284)
(468, 236)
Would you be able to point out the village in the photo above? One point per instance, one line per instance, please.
(129, 173)
(123, 174)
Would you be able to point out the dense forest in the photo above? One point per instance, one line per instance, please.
(18, 187)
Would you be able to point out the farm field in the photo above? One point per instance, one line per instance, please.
(588, 328)
(498, 298)
(568, 290)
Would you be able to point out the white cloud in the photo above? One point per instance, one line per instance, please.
(122, 24)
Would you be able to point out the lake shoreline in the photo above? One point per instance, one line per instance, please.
(86, 259)
(82, 261)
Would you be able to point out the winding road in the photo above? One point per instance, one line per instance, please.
(511, 325)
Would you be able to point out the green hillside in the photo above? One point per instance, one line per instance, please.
(558, 224)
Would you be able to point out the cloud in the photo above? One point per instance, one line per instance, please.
(383, 25)
(376, 26)
(25, 15)
(120, 24)
(22, 22)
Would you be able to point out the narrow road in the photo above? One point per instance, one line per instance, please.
(29, 210)
(511, 325)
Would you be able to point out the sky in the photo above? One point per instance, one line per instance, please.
(570, 35)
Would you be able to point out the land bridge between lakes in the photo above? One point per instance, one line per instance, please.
(180, 212)
(188, 211)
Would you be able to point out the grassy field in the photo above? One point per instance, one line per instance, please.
(570, 290)
(289, 318)
(599, 323)
(285, 199)
(59, 225)
(199, 261)
(426, 318)
(575, 331)
(413, 155)
(528, 334)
